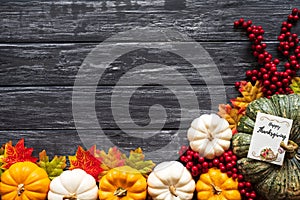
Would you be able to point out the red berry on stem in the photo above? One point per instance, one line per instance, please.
(294, 11)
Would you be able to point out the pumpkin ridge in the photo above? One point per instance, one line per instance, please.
(37, 171)
(8, 182)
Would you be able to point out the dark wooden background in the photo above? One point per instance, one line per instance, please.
(44, 43)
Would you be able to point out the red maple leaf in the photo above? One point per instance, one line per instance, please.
(18, 153)
(87, 162)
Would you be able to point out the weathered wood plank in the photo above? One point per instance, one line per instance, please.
(47, 21)
(51, 107)
(65, 142)
(58, 64)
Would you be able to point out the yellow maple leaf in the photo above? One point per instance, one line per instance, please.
(296, 85)
(232, 115)
(249, 94)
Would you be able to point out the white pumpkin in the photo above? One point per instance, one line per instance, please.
(209, 135)
(170, 181)
(73, 184)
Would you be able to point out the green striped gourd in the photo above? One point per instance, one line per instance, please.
(271, 181)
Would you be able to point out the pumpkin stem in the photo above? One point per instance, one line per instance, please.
(216, 189)
(120, 192)
(70, 197)
(291, 148)
(173, 190)
(210, 136)
(21, 189)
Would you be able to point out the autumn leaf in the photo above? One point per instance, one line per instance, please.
(54, 167)
(1, 157)
(113, 158)
(249, 94)
(18, 153)
(87, 162)
(136, 160)
(295, 86)
(232, 115)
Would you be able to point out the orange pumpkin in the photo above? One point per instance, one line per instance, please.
(123, 183)
(24, 181)
(215, 185)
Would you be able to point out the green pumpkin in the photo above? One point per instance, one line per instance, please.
(271, 181)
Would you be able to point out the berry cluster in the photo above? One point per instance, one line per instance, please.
(273, 81)
(197, 165)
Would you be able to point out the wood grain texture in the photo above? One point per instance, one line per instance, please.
(58, 64)
(47, 21)
(65, 142)
(51, 107)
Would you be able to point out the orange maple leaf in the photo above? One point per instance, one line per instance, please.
(87, 162)
(113, 158)
(18, 153)
(249, 94)
(232, 115)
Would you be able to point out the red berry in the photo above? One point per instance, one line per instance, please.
(241, 185)
(196, 156)
(234, 170)
(274, 79)
(290, 17)
(201, 160)
(229, 173)
(229, 166)
(223, 168)
(276, 61)
(249, 22)
(294, 11)
(279, 84)
(228, 159)
(285, 81)
(253, 195)
(205, 164)
(248, 185)
(265, 76)
(273, 87)
(189, 157)
(236, 24)
(189, 165)
(285, 53)
(266, 83)
(184, 159)
(233, 163)
(248, 73)
(234, 176)
(216, 162)
(243, 191)
(251, 36)
(240, 177)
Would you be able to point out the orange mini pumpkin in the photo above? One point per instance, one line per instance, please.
(24, 181)
(215, 185)
(123, 183)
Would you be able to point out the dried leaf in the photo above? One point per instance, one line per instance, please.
(136, 160)
(113, 158)
(249, 94)
(295, 86)
(87, 162)
(232, 115)
(53, 168)
(18, 153)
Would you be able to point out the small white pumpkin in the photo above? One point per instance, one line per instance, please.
(209, 135)
(73, 184)
(170, 181)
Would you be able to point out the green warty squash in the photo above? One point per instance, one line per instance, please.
(271, 181)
